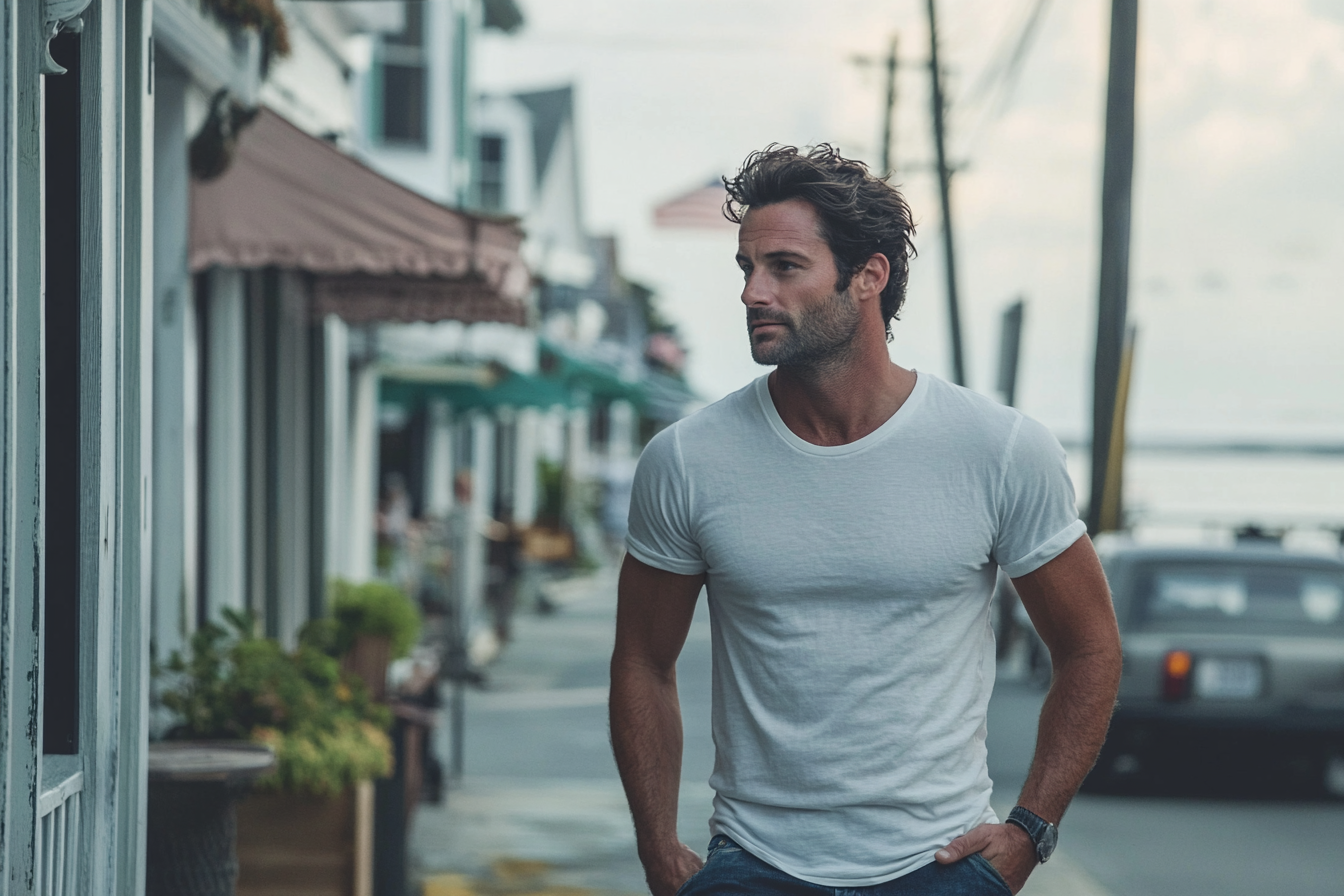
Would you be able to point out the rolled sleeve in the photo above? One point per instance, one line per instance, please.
(1038, 515)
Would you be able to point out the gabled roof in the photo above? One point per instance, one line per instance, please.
(550, 110)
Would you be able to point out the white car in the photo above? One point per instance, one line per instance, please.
(1233, 660)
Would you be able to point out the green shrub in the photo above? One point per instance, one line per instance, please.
(233, 685)
(372, 608)
(551, 485)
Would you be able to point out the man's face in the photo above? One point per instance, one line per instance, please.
(795, 318)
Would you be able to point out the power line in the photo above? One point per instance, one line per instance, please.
(993, 90)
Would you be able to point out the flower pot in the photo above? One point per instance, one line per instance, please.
(299, 845)
(368, 659)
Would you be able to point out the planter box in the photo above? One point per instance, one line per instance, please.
(291, 845)
(548, 545)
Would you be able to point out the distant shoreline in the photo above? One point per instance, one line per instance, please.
(1240, 446)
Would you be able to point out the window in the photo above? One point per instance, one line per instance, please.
(490, 172)
(403, 80)
(1242, 598)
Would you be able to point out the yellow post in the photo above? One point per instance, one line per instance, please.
(1112, 505)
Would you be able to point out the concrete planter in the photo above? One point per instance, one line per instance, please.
(292, 845)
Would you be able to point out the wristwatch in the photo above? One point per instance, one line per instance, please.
(1042, 833)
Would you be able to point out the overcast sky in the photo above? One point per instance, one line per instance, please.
(1239, 203)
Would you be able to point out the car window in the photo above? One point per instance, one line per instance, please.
(1248, 598)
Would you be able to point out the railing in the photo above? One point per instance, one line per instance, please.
(58, 826)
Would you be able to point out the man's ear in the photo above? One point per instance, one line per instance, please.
(872, 278)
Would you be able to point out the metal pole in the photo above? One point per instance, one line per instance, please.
(944, 195)
(458, 730)
(889, 113)
(1113, 293)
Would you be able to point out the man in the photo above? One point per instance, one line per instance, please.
(848, 517)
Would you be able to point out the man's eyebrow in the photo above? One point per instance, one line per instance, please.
(778, 254)
(788, 253)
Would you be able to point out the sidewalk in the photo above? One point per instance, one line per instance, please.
(540, 810)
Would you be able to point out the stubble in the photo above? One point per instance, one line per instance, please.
(820, 336)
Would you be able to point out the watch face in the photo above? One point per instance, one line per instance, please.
(1045, 847)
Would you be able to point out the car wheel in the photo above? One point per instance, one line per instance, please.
(1120, 767)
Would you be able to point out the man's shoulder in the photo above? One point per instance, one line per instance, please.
(740, 408)
(698, 442)
(997, 434)
(969, 414)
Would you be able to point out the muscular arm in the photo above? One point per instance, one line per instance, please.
(653, 614)
(1070, 605)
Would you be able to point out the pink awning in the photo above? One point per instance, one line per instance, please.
(293, 201)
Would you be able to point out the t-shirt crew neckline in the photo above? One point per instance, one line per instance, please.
(890, 425)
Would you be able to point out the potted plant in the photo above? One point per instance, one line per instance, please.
(307, 828)
(371, 624)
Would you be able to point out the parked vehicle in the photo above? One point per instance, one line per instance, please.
(1233, 664)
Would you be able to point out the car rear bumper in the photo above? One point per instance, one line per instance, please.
(1178, 718)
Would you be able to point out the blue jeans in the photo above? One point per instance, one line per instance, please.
(730, 869)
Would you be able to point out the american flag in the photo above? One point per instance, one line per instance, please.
(699, 208)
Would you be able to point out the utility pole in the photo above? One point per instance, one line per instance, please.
(1113, 294)
(889, 114)
(944, 194)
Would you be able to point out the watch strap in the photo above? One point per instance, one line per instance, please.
(1043, 834)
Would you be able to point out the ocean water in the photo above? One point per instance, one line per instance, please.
(1204, 496)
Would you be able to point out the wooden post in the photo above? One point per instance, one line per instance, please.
(889, 114)
(945, 197)
(1010, 346)
(1116, 193)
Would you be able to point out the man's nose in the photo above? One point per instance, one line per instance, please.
(754, 291)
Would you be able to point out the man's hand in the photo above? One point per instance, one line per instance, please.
(666, 874)
(1006, 846)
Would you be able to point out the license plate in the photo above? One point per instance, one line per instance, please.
(1227, 679)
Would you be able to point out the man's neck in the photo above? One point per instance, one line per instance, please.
(841, 403)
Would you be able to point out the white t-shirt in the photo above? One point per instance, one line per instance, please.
(849, 596)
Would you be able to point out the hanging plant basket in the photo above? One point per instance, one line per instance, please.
(262, 16)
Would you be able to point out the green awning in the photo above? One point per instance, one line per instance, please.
(599, 380)
(513, 390)
(562, 379)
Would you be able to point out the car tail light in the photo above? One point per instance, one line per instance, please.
(1176, 670)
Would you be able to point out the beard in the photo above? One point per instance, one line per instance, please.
(813, 337)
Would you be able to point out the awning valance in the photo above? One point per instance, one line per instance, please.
(293, 201)
(358, 299)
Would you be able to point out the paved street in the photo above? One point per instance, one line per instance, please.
(541, 810)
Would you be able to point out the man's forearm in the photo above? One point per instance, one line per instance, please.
(1074, 719)
(646, 739)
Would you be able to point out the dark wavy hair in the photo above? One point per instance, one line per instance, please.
(860, 215)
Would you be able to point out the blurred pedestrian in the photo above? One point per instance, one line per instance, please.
(849, 516)
(393, 524)
(503, 557)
